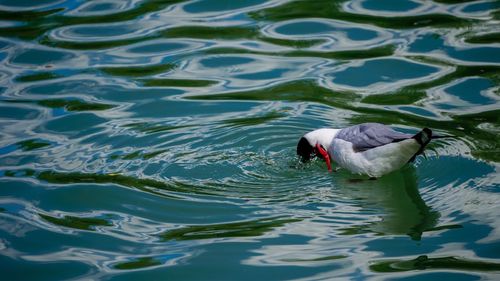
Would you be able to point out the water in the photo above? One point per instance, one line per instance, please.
(146, 140)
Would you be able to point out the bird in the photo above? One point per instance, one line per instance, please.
(368, 149)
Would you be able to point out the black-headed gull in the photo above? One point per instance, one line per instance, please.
(371, 149)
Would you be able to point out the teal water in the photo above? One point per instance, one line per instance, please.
(155, 139)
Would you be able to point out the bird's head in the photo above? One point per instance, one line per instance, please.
(316, 143)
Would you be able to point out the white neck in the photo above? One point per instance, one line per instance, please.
(322, 136)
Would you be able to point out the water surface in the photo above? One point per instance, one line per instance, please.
(154, 139)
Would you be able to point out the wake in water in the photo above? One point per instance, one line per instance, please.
(140, 139)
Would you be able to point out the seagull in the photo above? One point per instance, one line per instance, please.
(370, 149)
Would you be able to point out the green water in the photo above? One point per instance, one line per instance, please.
(155, 139)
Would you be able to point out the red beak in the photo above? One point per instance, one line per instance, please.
(325, 155)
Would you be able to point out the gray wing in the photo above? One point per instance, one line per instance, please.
(370, 135)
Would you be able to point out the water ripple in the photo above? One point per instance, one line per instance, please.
(144, 139)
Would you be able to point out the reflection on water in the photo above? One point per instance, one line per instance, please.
(149, 138)
(398, 199)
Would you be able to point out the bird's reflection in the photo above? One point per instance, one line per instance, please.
(396, 197)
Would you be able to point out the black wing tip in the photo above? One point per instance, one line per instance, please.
(423, 137)
(427, 131)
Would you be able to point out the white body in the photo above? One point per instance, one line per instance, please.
(374, 162)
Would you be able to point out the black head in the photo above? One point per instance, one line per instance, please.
(305, 150)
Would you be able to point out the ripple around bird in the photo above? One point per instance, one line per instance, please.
(142, 139)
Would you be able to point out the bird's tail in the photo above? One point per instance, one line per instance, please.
(423, 138)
